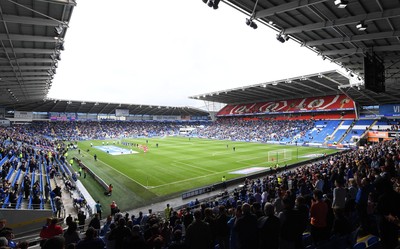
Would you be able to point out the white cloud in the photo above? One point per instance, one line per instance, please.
(160, 52)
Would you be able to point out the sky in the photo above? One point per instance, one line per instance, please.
(161, 52)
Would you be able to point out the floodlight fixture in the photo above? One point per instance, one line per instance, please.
(341, 4)
(215, 4)
(274, 83)
(280, 38)
(59, 29)
(286, 37)
(249, 22)
(205, 1)
(361, 26)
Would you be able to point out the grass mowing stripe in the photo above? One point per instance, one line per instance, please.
(179, 164)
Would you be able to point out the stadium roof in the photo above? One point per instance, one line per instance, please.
(313, 85)
(68, 106)
(334, 30)
(32, 37)
(320, 84)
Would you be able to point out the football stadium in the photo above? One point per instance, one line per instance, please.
(301, 162)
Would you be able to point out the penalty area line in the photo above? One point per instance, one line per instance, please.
(120, 172)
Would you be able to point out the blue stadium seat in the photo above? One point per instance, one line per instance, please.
(372, 240)
(359, 245)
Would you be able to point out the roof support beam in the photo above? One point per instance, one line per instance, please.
(33, 60)
(344, 21)
(306, 86)
(34, 38)
(321, 84)
(362, 50)
(62, 2)
(24, 68)
(12, 74)
(27, 51)
(360, 59)
(30, 20)
(354, 38)
(24, 79)
(286, 7)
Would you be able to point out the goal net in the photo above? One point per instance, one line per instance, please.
(278, 156)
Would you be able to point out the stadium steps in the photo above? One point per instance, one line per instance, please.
(369, 128)
(347, 132)
(332, 136)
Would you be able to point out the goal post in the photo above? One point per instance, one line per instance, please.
(277, 156)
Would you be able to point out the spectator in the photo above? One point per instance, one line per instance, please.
(98, 208)
(3, 228)
(268, 228)
(318, 216)
(53, 229)
(55, 242)
(120, 233)
(95, 222)
(91, 240)
(71, 235)
(246, 229)
(198, 234)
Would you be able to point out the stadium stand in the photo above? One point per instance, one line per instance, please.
(292, 184)
(330, 203)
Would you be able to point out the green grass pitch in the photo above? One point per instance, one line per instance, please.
(178, 164)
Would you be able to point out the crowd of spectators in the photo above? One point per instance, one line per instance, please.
(101, 130)
(358, 189)
(255, 130)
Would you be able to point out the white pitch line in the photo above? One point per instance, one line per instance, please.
(198, 177)
(248, 159)
(120, 172)
(190, 165)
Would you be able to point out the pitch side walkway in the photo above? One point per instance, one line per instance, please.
(177, 202)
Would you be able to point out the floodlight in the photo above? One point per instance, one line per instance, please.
(249, 22)
(341, 4)
(286, 37)
(215, 5)
(280, 38)
(210, 3)
(60, 46)
(361, 26)
(205, 1)
(59, 29)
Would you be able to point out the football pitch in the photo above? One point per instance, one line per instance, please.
(147, 170)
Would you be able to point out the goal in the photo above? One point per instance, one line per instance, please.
(278, 156)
